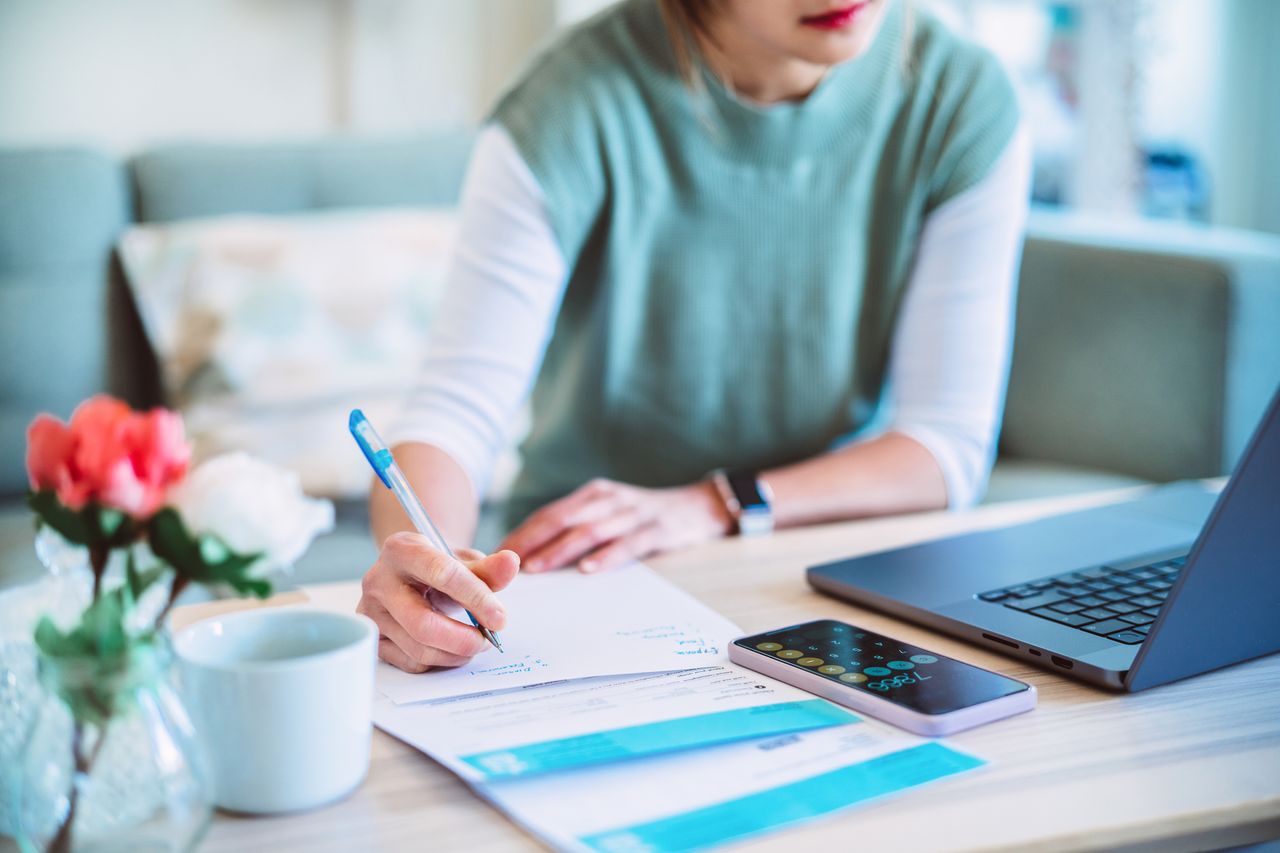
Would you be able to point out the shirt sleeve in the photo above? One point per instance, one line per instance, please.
(949, 359)
(494, 319)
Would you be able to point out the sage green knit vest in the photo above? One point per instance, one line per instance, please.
(736, 270)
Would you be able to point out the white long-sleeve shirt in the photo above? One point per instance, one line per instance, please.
(946, 371)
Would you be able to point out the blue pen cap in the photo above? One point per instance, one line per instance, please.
(378, 454)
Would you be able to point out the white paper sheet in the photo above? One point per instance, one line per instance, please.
(566, 625)
(571, 724)
(702, 798)
(675, 801)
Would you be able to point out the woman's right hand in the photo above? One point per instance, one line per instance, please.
(411, 580)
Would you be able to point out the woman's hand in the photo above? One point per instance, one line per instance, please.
(403, 589)
(606, 524)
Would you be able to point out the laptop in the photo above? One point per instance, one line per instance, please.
(1128, 596)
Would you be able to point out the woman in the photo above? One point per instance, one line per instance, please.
(777, 237)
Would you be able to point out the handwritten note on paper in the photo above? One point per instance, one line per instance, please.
(569, 625)
(528, 663)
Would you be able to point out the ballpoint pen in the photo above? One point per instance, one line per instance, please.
(384, 465)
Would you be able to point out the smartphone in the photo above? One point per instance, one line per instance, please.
(913, 688)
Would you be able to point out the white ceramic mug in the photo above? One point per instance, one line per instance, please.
(283, 700)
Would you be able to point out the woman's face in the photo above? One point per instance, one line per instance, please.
(820, 32)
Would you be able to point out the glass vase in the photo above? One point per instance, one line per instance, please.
(62, 593)
(112, 762)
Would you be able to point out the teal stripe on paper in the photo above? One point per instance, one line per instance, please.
(655, 738)
(778, 807)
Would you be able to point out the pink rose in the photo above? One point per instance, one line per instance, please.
(108, 454)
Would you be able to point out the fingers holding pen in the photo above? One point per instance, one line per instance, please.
(405, 650)
(497, 570)
(416, 636)
(418, 564)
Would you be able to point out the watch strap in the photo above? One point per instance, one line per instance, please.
(747, 499)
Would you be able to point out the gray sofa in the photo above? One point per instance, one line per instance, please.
(1143, 352)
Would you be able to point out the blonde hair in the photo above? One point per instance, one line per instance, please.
(685, 21)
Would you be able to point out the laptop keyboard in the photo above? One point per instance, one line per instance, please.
(1119, 604)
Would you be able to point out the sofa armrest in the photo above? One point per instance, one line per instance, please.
(61, 210)
(1149, 349)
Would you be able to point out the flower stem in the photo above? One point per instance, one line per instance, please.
(62, 842)
(179, 584)
(98, 555)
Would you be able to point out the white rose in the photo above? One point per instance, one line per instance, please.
(253, 507)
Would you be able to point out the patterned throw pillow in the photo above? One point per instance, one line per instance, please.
(269, 329)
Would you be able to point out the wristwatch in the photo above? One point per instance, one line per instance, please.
(748, 500)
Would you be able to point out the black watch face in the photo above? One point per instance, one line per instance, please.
(747, 491)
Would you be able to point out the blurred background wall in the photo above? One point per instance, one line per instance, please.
(1165, 108)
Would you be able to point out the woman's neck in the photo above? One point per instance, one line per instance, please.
(754, 70)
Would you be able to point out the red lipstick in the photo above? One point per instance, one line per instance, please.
(836, 19)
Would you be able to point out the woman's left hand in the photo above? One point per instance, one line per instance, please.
(606, 524)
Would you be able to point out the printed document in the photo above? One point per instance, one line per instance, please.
(694, 800)
(625, 729)
(553, 727)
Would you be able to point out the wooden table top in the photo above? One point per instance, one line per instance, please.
(1192, 765)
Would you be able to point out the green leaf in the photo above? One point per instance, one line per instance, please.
(110, 521)
(71, 525)
(113, 528)
(93, 654)
(170, 542)
(205, 559)
(100, 633)
(99, 647)
(91, 526)
(213, 550)
(259, 587)
(52, 642)
(104, 620)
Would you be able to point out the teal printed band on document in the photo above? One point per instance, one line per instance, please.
(803, 800)
(654, 738)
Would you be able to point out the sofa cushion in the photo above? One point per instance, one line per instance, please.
(1118, 361)
(184, 181)
(1146, 348)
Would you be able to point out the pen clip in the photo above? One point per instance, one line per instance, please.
(371, 444)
